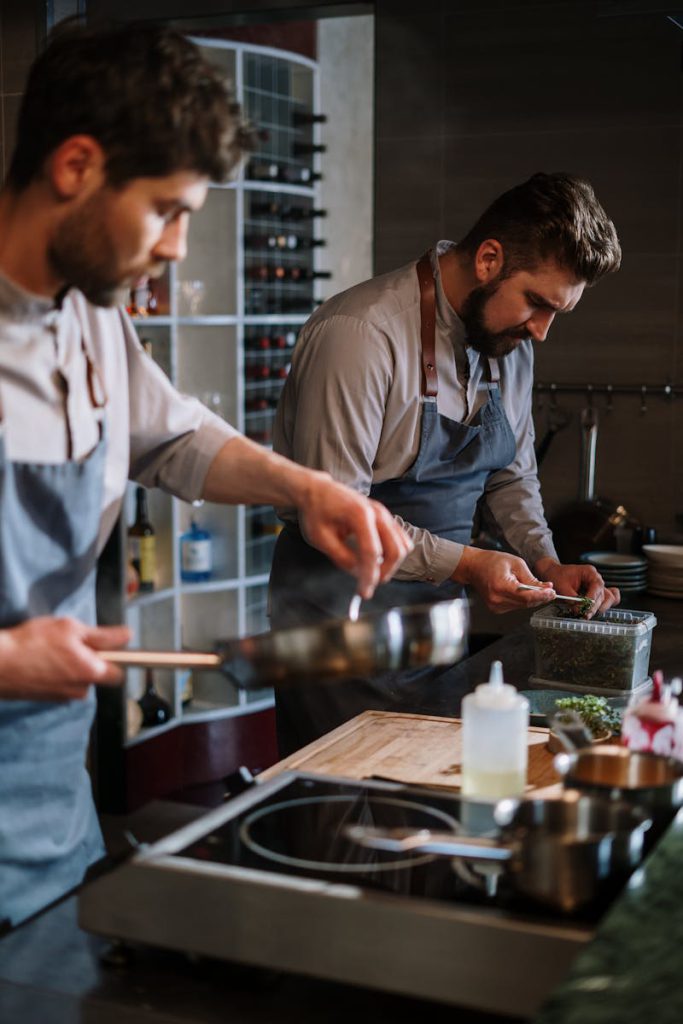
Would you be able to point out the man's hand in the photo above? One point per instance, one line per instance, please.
(56, 659)
(497, 576)
(581, 581)
(358, 534)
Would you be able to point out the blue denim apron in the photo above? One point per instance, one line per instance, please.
(49, 833)
(439, 493)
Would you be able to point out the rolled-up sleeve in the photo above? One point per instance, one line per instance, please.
(173, 437)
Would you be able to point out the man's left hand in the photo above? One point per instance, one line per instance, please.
(578, 581)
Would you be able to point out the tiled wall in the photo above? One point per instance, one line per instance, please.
(473, 97)
(21, 29)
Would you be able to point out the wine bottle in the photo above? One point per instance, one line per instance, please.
(307, 148)
(301, 213)
(262, 170)
(306, 274)
(299, 175)
(255, 405)
(155, 710)
(284, 212)
(271, 208)
(257, 343)
(142, 542)
(304, 117)
(257, 371)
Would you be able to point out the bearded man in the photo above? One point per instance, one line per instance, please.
(416, 388)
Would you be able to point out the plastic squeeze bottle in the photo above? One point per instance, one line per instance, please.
(495, 720)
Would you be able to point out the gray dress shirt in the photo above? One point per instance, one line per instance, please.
(155, 435)
(352, 406)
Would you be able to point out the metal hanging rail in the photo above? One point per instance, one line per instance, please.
(643, 391)
(655, 390)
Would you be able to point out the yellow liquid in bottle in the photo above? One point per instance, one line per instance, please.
(493, 785)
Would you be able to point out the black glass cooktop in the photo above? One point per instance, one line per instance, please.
(300, 830)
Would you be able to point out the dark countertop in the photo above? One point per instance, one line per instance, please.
(51, 972)
(631, 971)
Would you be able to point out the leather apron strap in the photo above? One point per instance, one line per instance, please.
(425, 277)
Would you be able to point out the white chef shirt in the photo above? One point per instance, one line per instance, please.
(154, 434)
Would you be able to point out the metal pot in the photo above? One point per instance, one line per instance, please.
(642, 780)
(566, 853)
(400, 638)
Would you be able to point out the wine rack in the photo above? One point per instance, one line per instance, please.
(222, 325)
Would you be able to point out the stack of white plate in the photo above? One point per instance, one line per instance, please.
(665, 569)
(627, 572)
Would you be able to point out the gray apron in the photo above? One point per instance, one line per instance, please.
(49, 523)
(439, 493)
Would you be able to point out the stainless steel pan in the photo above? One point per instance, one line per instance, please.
(566, 853)
(400, 638)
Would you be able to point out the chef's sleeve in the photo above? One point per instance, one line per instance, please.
(173, 437)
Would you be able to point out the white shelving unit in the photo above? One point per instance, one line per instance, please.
(212, 315)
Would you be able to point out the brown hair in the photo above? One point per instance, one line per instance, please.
(550, 216)
(145, 92)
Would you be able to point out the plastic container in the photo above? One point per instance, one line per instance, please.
(608, 655)
(495, 721)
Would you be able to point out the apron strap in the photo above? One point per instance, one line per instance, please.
(425, 277)
(494, 372)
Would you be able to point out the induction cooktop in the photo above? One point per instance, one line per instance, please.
(271, 878)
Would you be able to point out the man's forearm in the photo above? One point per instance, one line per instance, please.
(244, 472)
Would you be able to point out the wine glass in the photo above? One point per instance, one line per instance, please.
(192, 294)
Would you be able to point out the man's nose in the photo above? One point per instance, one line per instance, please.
(173, 242)
(539, 324)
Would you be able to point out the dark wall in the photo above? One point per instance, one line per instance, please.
(22, 29)
(473, 96)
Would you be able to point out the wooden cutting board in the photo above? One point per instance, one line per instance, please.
(421, 749)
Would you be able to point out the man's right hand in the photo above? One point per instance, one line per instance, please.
(56, 658)
(497, 575)
(357, 533)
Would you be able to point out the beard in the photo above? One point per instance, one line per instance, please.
(492, 344)
(82, 252)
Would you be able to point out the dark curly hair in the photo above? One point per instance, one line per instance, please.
(145, 92)
(550, 216)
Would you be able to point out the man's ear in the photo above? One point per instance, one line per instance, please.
(76, 166)
(488, 260)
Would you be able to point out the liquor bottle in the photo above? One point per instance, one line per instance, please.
(142, 542)
(155, 710)
(307, 148)
(196, 561)
(303, 117)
